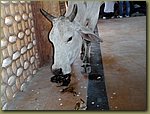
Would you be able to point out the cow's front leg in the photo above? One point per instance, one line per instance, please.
(87, 53)
(82, 54)
(86, 57)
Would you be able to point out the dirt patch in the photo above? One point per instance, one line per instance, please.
(112, 62)
(109, 59)
(121, 69)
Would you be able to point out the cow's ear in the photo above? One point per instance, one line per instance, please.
(87, 34)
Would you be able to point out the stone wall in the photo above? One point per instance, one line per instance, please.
(19, 56)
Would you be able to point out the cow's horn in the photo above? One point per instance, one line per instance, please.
(73, 13)
(47, 15)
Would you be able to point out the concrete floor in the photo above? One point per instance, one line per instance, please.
(42, 94)
(124, 61)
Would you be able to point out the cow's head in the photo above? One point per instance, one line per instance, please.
(66, 36)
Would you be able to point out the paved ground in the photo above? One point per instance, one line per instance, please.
(124, 60)
(41, 94)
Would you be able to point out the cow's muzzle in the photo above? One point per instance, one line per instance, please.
(58, 77)
(57, 72)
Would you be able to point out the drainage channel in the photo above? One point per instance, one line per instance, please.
(97, 96)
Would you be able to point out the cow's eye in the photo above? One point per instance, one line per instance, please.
(69, 39)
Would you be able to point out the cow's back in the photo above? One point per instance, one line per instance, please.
(87, 13)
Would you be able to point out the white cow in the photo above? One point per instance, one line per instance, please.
(67, 35)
